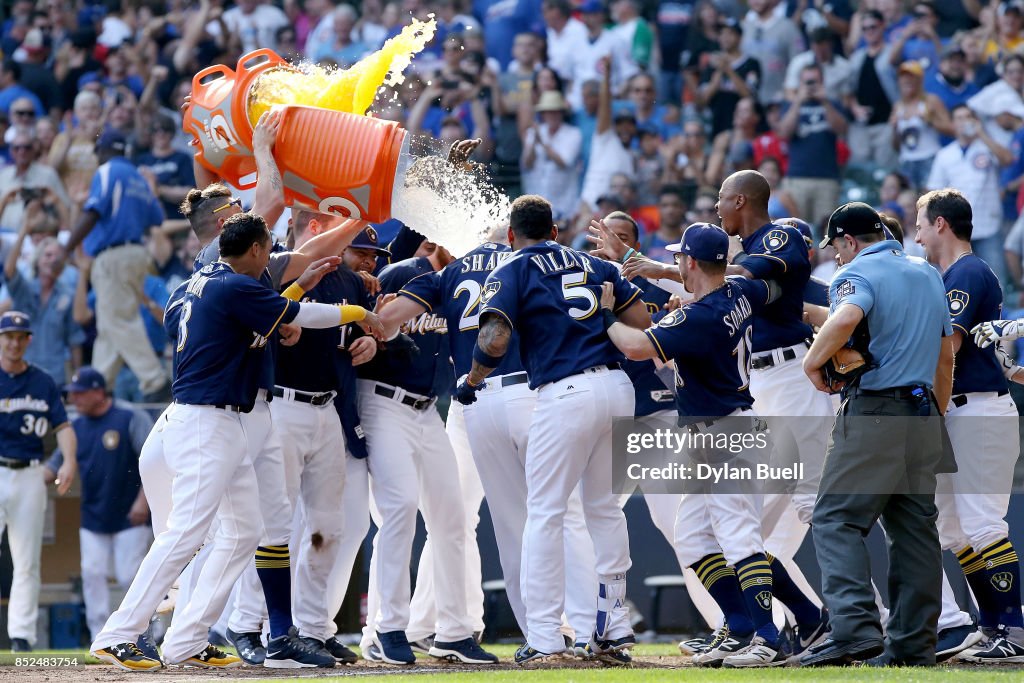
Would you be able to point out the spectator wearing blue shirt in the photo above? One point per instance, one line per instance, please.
(343, 50)
(115, 526)
(812, 123)
(919, 41)
(120, 207)
(950, 81)
(11, 88)
(171, 169)
(48, 301)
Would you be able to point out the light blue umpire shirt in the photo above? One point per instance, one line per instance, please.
(904, 303)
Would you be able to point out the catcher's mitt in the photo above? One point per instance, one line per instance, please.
(844, 367)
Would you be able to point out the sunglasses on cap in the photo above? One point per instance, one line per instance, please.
(234, 201)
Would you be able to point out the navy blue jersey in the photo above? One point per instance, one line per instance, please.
(550, 294)
(418, 373)
(710, 341)
(108, 462)
(816, 292)
(30, 408)
(652, 395)
(455, 293)
(404, 245)
(224, 319)
(779, 253)
(974, 296)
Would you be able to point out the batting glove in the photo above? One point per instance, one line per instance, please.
(994, 330)
(465, 393)
(1010, 368)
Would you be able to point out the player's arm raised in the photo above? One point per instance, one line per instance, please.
(269, 196)
(627, 329)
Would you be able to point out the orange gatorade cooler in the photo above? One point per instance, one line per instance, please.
(330, 161)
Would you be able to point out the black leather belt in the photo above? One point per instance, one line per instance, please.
(406, 400)
(895, 393)
(768, 361)
(960, 400)
(17, 464)
(606, 366)
(115, 245)
(224, 406)
(514, 379)
(314, 399)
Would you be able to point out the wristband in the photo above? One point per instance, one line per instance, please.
(351, 314)
(609, 317)
(485, 359)
(629, 253)
(293, 292)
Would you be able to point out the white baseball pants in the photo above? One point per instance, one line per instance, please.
(973, 501)
(207, 449)
(423, 609)
(411, 466)
(313, 447)
(556, 462)
(22, 511)
(125, 551)
(355, 505)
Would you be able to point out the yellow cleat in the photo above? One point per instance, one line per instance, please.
(127, 656)
(212, 658)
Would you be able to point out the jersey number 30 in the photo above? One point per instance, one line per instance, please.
(35, 425)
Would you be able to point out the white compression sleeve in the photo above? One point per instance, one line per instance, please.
(318, 316)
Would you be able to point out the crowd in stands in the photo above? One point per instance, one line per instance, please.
(635, 105)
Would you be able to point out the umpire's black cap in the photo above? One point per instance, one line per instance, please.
(855, 218)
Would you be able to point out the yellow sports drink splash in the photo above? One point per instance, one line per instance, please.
(332, 157)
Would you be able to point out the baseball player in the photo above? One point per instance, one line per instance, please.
(973, 501)
(411, 465)
(493, 432)
(224, 313)
(549, 295)
(115, 516)
(714, 533)
(30, 408)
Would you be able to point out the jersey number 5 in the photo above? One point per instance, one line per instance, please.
(572, 289)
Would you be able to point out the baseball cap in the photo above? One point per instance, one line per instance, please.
(85, 379)
(803, 226)
(367, 239)
(624, 114)
(112, 140)
(704, 242)
(822, 34)
(855, 218)
(913, 68)
(952, 50)
(15, 321)
(591, 7)
(1011, 6)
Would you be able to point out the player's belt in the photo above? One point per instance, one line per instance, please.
(514, 378)
(774, 357)
(960, 400)
(310, 397)
(602, 368)
(17, 464)
(403, 398)
(704, 425)
(221, 406)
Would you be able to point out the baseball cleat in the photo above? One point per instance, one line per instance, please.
(526, 654)
(339, 651)
(20, 645)
(422, 645)
(127, 656)
(952, 641)
(807, 636)
(722, 644)
(988, 636)
(695, 646)
(758, 654)
(394, 647)
(249, 646)
(147, 648)
(831, 652)
(1007, 649)
(581, 650)
(465, 651)
(212, 657)
(370, 653)
(291, 652)
(614, 652)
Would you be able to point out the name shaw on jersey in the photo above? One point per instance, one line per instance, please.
(484, 263)
(562, 259)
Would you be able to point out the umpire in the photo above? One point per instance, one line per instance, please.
(879, 463)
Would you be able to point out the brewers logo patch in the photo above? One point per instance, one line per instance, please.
(111, 439)
(674, 318)
(844, 290)
(489, 291)
(1002, 581)
(764, 599)
(775, 240)
(958, 300)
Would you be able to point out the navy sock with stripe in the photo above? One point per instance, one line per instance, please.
(973, 567)
(784, 588)
(273, 566)
(1003, 572)
(720, 581)
(755, 577)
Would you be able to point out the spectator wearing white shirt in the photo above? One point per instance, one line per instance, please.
(633, 32)
(600, 43)
(255, 23)
(774, 41)
(551, 154)
(970, 164)
(343, 50)
(836, 68)
(25, 177)
(1000, 105)
(566, 36)
(610, 146)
